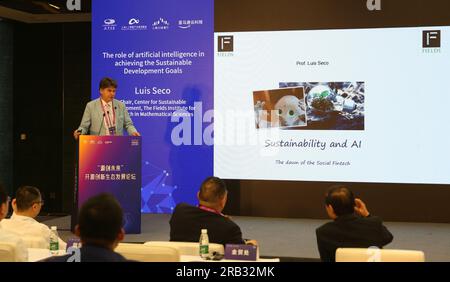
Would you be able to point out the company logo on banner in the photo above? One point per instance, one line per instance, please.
(133, 21)
(109, 24)
(160, 24)
(134, 24)
(185, 24)
(165, 75)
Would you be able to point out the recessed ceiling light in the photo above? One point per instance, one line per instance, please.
(54, 6)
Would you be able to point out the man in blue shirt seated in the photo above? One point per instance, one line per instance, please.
(187, 221)
(100, 230)
(352, 225)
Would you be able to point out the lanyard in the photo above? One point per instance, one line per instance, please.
(107, 117)
(210, 210)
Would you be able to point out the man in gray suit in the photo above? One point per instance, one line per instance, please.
(106, 115)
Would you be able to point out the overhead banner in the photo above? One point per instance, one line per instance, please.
(161, 54)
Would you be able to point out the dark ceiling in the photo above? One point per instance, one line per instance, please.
(45, 6)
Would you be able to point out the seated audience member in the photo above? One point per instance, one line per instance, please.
(187, 221)
(100, 222)
(7, 236)
(352, 225)
(27, 206)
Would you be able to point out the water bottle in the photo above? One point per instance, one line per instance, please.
(54, 241)
(204, 244)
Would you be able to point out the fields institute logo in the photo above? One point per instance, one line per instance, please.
(225, 43)
(160, 24)
(431, 41)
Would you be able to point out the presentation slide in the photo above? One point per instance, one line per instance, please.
(347, 105)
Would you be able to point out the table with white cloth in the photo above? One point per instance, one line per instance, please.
(35, 254)
(185, 258)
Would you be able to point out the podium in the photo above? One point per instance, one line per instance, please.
(110, 164)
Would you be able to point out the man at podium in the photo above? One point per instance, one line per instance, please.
(106, 115)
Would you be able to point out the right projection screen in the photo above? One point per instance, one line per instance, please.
(350, 105)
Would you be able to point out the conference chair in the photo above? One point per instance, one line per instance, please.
(7, 252)
(378, 255)
(186, 248)
(142, 253)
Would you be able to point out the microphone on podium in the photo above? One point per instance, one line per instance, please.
(101, 124)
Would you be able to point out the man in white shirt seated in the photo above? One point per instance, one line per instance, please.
(26, 206)
(7, 236)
